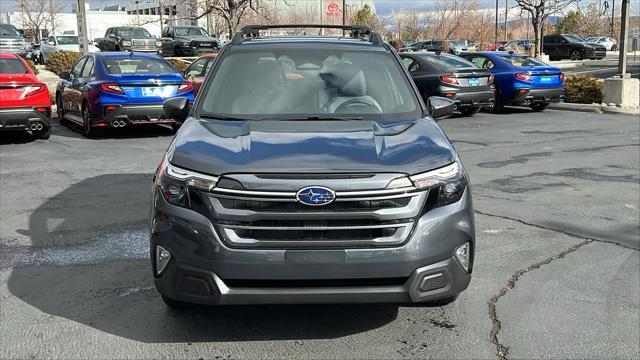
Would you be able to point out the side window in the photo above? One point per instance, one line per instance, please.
(209, 65)
(109, 32)
(77, 69)
(411, 65)
(197, 68)
(88, 68)
(478, 61)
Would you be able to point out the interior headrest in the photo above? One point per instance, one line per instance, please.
(115, 69)
(347, 78)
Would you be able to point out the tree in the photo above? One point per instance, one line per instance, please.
(584, 23)
(38, 14)
(365, 16)
(539, 11)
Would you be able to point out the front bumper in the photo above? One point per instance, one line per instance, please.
(195, 51)
(202, 269)
(133, 115)
(23, 118)
(530, 96)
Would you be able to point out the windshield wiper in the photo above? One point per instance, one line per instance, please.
(221, 117)
(316, 117)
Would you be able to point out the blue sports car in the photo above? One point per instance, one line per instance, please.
(118, 89)
(520, 80)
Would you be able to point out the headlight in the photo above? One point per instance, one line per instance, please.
(175, 183)
(126, 43)
(449, 181)
(158, 43)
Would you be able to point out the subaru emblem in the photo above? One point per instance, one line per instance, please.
(315, 196)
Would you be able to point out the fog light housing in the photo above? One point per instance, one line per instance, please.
(463, 254)
(162, 259)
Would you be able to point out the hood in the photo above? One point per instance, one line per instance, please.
(196, 37)
(220, 147)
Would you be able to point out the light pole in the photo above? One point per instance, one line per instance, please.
(613, 14)
(496, 35)
(506, 13)
(624, 34)
(138, 12)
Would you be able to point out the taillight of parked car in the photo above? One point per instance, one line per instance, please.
(523, 77)
(491, 79)
(32, 90)
(184, 87)
(449, 79)
(562, 77)
(113, 88)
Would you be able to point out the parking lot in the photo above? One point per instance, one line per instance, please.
(557, 270)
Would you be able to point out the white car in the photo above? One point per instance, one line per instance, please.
(606, 41)
(57, 43)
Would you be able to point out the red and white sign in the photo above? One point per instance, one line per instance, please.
(333, 9)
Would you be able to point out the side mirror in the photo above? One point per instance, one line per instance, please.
(439, 107)
(65, 75)
(50, 43)
(177, 108)
(111, 36)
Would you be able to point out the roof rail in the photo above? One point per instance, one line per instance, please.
(357, 31)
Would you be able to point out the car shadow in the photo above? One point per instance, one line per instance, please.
(90, 250)
(15, 137)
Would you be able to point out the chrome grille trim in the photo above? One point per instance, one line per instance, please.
(281, 228)
(368, 194)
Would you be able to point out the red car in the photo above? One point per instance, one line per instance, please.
(197, 70)
(24, 100)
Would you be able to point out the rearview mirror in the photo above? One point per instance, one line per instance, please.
(65, 75)
(439, 107)
(177, 108)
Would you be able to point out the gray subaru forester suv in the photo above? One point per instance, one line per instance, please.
(308, 170)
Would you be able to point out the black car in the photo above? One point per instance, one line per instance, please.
(430, 45)
(440, 74)
(568, 46)
(186, 41)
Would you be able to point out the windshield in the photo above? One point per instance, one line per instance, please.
(133, 32)
(523, 61)
(8, 30)
(12, 66)
(67, 40)
(302, 83)
(127, 65)
(448, 62)
(573, 38)
(190, 31)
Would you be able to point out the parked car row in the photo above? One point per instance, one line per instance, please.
(104, 90)
(120, 89)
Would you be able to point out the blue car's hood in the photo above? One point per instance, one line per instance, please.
(222, 147)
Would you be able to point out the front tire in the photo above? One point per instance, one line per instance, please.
(176, 304)
(539, 106)
(470, 110)
(575, 54)
(60, 109)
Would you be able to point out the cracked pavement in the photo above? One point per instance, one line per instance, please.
(557, 264)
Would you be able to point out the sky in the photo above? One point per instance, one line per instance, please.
(382, 6)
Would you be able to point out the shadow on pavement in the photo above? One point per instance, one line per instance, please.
(15, 137)
(92, 274)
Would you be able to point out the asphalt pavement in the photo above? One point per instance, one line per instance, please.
(557, 270)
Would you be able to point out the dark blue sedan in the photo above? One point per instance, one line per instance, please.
(119, 89)
(520, 80)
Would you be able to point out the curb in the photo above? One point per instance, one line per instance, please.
(595, 108)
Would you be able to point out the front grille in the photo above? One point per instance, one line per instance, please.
(356, 219)
(144, 45)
